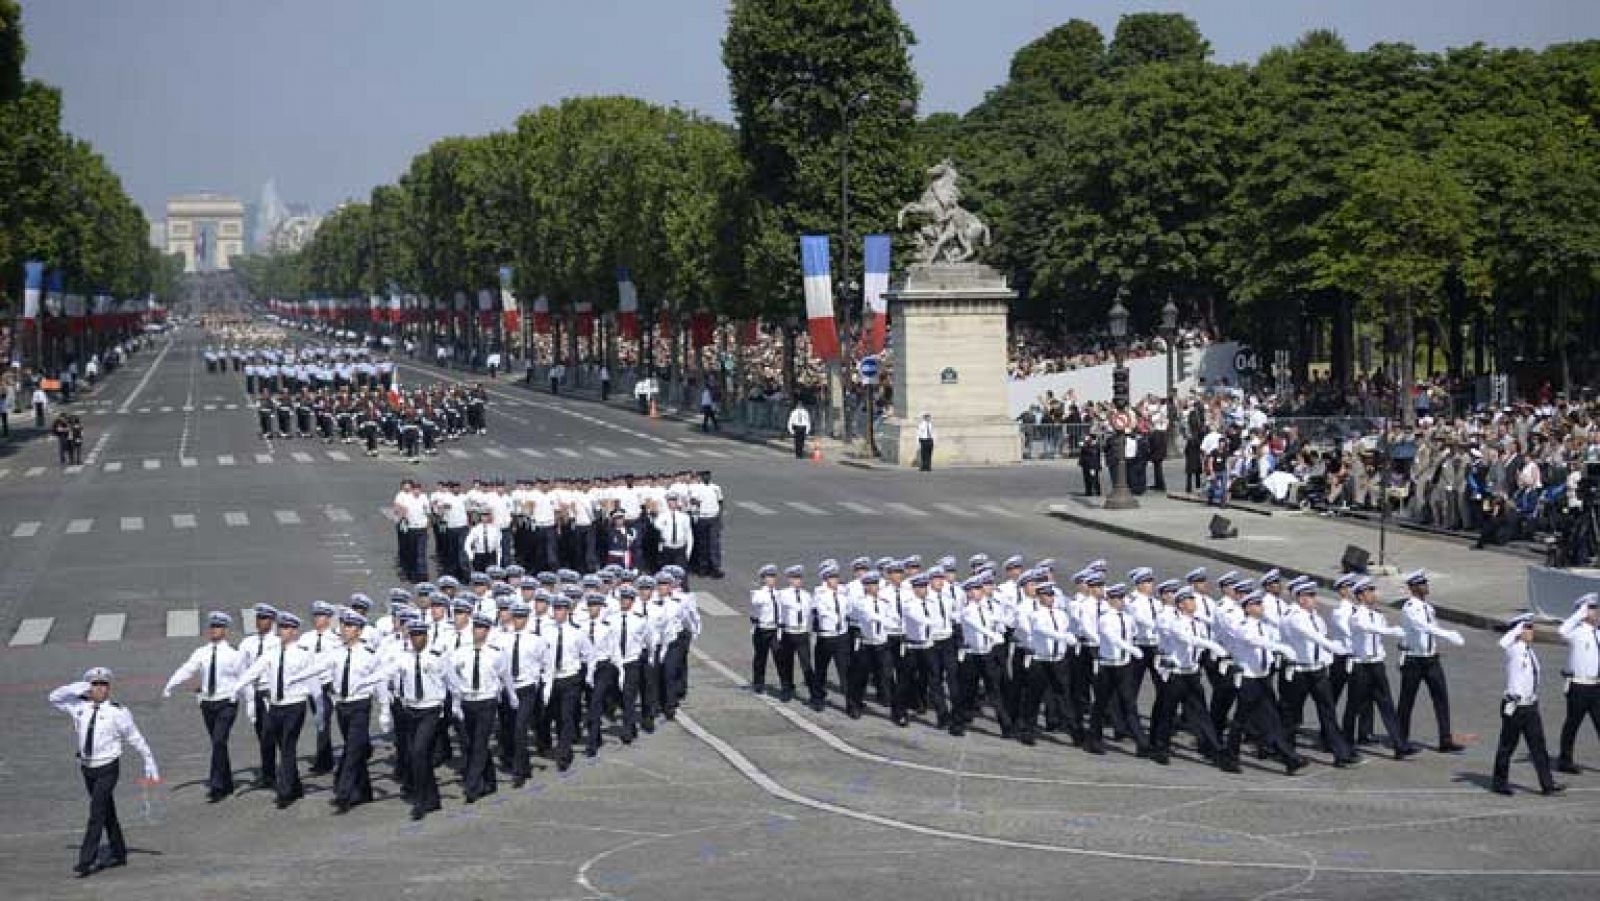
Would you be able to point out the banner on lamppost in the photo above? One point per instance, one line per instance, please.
(874, 287)
(541, 315)
(702, 328)
(485, 308)
(510, 313)
(627, 305)
(814, 265)
(32, 288)
(53, 292)
(583, 318)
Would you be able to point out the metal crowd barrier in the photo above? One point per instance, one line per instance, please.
(1053, 440)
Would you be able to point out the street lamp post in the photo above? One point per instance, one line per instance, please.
(1120, 498)
(1169, 332)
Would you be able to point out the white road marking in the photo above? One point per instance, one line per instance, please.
(715, 454)
(230, 406)
(337, 514)
(107, 626)
(388, 514)
(210, 407)
(183, 623)
(79, 526)
(339, 456)
(133, 523)
(34, 472)
(4, 473)
(862, 509)
(263, 458)
(998, 510)
(603, 451)
(154, 365)
(26, 530)
(456, 452)
(495, 452)
(637, 451)
(224, 459)
(74, 469)
(674, 452)
(711, 605)
(808, 508)
(236, 518)
(188, 462)
(32, 631)
(152, 464)
(301, 457)
(756, 508)
(166, 409)
(907, 509)
(184, 521)
(287, 517)
(114, 466)
(530, 452)
(956, 510)
(568, 452)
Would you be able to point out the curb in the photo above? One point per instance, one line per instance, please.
(1454, 615)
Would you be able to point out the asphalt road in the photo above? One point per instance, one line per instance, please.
(182, 509)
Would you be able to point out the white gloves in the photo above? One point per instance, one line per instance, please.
(1136, 654)
(1455, 639)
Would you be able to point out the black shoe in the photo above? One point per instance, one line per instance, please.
(786, 695)
(563, 765)
(418, 813)
(1368, 739)
(1027, 740)
(1450, 747)
(958, 730)
(590, 752)
(1570, 769)
(471, 798)
(1095, 748)
(1501, 790)
(903, 721)
(1554, 788)
(1230, 766)
(758, 688)
(342, 807)
(319, 771)
(853, 712)
(1294, 765)
(83, 870)
(1404, 751)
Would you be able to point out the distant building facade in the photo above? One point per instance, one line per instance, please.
(207, 229)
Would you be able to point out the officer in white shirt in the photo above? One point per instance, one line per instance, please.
(527, 662)
(765, 626)
(293, 677)
(925, 443)
(1306, 670)
(979, 659)
(410, 509)
(830, 609)
(1420, 662)
(1583, 676)
(674, 531)
(254, 647)
(632, 645)
(1143, 606)
(482, 672)
(1050, 639)
(216, 667)
(794, 633)
(1369, 681)
(706, 501)
(1114, 674)
(356, 675)
(570, 657)
(602, 676)
(1519, 710)
(322, 641)
(423, 678)
(924, 616)
(1254, 644)
(450, 510)
(1183, 642)
(483, 540)
(800, 427)
(100, 727)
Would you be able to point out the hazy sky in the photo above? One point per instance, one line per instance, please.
(331, 97)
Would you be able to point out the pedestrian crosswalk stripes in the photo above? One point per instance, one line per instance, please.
(34, 472)
(225, 459)
(804, 507)
(337, 514)
(188, 462)
(183, 623)
(263, 458)
(860, 509)
(528, 451)
(79, 526)
(756, 508)
(907, 509)
(26, 530)
(457, 452)
(72, 470)
(637, 451)
(114, 466)
(956, 510)
(236, 518)
(133, 523)
(32, 631)
(338, 456)
(495, 452)
(568, 452)
(286, 517)
(107, 626)
(152, 463)
(600, 451)
(997, 510)
(183, 521)
(300, 457)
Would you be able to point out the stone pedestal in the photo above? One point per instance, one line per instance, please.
(950, 361)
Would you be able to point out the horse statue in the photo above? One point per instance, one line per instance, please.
(951, 234)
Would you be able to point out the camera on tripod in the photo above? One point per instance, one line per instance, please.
(1589, 484)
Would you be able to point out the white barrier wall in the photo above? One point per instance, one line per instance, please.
(1145, 376)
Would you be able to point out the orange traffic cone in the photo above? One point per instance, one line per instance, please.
(653, 413)
(816, 451)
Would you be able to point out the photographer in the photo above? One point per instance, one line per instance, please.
(1500, 522)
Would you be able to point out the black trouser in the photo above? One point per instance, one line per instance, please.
(925, 454)
(563, 708)
(323, 761)
(450, 551)
(1181, 691)
(1223, 692)
(477, 773)
(833, 649)
(675, 673)
(1582, 700)
(1080, 672)
(1046, 683)
(872, 661)
(605, 685)
(708, 418)
(1091, 481)
(799, 439)
(101, 783)
(284, 722)
(1369, 684)
(792, 647)
(1413, 673)
(1338, 679)
(425, 723)
(1141, 667)
(1257, 712)
(219, 717)
(404, 728)
(1315, 684)
(765, 643)
(1113, 694)
(264, 742)
(605, 389)
(990, 669)
(530, 712)
(629, 689)
(930, 666)
(352, 784)
(1523, 724)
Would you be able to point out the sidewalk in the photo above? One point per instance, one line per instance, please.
(1481, 589)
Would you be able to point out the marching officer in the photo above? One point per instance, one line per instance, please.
(482, 673)
(1256, 709)
(322, 641)
(1114, 675)
(1420, 662)
(101, 726)
(1184, 640)
(218, 667)
(1583, 679)
(765, 627)
(1519, 710)
(1050, 640)
(527, 662)
(979, 658)
(423, 677)
(633, 645)
(830, 610)
(357, 674)
(1369, 682)
(293, 676)
(794, 633)
(1306, 670)
(570, 656)
(257, 646)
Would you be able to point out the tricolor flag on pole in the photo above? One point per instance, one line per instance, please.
(54, 290)
(583, 318)
(819, 296)
(32, 288)
(541, 314)
(511, 317)
(627, 305)
(874, 285)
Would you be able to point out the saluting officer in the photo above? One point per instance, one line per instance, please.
(100, 726)
(1519, 710)
(1583, 679)
(217, 666)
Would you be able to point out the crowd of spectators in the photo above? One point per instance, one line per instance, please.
(1034, 351)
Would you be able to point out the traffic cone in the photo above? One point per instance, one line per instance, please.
(816, 451)
(653, 414)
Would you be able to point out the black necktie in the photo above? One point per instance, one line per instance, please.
(88, 737)
(516, 657)
(319, 643)
(1533, 661)
(774, 596)
(1262, 651)
(560, 635)
(344, 688)
(477, 657)
(211, 673)
(1055, 628)
(1316, 649)
(283, 653)
(418, 675)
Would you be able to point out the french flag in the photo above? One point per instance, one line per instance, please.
(874, 285)
(541, 314)
(819, 297)
(32, 288)
(627, 305)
